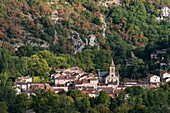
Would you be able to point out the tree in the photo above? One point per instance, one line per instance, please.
(3, 107)
(48, 56)
(75, 94)
(25, 65)
(7, 95)
(21, 104)
(47, 101)
(113, 104)
(14, 67)
(122, 109)
(91, 110)
(103, 98)
(25, 51)
(140, 109)
(135, 90)
(137, 68)
(102, 108)
(3, 78)
(82, 104)
(66, 103)
(41, 101)
(38, 66)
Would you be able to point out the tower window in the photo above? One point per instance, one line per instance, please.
(112, 70)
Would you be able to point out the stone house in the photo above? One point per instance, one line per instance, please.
(166, 76)
(151, 79)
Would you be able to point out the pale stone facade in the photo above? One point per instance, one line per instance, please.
(153, 79)
(166, 75)
(24, 79)
(111, 77)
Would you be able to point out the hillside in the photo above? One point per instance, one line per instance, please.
(39, 37)
(68, 26)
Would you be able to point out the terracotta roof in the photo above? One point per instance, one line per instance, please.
(102, 84)
(95, 75)
(23, 83)
(60, 85)
(93, 79)
(39, 86)
(48, 87)
(89, 88)
(77, 82)
(151, 75)
(59, 89)
(87, 92)
(65, 77)
(74, 74)
(131, 81)
(141, 82)
(108, 90)
(166, 72)
(85, 81)
(85, 74)
(67, 72)
(121, 86)
(167, 78)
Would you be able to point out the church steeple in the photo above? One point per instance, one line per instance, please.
(112, 69)
(112, 63)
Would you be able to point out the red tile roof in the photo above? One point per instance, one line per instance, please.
(150, 75)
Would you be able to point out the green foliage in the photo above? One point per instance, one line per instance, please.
(3, 107)
(38, 66)
(82, 104)
(102, 108)
(3, 78)
(136, 90)
(22, 103)
(144, 100)
(52, 103)
(137, 68)
(103, 98)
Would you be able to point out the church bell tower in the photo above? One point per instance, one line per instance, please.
(113, 77)
(112, 69)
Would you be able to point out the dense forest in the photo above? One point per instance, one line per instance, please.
(128, 32)
(56, 25)
(39, 36)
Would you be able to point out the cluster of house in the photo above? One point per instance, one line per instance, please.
(151, 81)
(27, 86)
(88, 83)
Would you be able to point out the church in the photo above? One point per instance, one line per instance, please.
(111, 77)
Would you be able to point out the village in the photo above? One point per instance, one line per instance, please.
(89, 83)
